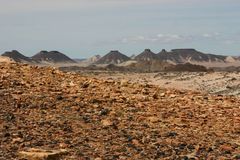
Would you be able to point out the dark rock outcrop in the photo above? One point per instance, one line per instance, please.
(187, 67)
(149, 66)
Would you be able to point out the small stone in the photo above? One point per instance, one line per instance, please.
(153, 119)
(124, 83)
(171, 134)
(17, 140)
(71, 84)
(145, 91)
(135, 142)
(172, 96)
(85, 85)
(10, 117)
(236, 156)
(155, 95)
(59, 98)
(7, 134)
(86, 119)
(63, 145)
(104, 112)
(162, 95)
(106, 123)
(226, 148)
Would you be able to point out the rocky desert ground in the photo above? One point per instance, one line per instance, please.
(49, 114)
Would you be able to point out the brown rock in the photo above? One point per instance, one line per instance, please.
(17, 140)
(162, 95)
(153, 119)
(172, 96)
(106, 123)
(124, 83)
(226, 148)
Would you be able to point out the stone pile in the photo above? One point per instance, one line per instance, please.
(43, 108)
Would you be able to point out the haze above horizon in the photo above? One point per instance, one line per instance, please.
(81, 28)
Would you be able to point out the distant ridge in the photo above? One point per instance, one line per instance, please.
(17, 56)
(52, 57)
(113, 57)
(179, 56)
(146, 55)
(147, 59)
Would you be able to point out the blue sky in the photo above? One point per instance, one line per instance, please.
(82, 28)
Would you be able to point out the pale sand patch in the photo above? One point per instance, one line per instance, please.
(217, 82)
(5, 59)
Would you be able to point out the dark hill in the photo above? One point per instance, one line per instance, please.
(17, 56)
(52, 57)
(113, 57)
(146, 55)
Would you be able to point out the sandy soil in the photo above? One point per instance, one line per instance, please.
(5, 60)
(223, 83)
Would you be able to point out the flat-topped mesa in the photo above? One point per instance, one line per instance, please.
(184, 49)
(56, 52)
(147, 50)
(163, 51)
(146, 55)
(43, 52)
(114, 51)
(15, 51)
(189, 55)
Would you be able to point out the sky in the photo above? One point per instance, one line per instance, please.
(83, 28)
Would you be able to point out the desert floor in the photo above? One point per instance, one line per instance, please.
(103, 116)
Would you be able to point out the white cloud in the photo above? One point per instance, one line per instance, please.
(134, 39)
(228, 39)
(161, 38)
(211, 35)
(170, 37)
(177, 38)
(206, 35)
